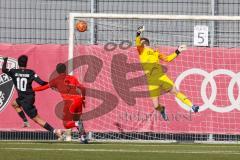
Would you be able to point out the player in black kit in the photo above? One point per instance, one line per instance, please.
(22, 79)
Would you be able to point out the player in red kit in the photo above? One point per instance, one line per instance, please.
(73, 94)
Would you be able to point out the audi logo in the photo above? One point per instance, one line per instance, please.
(209, 79)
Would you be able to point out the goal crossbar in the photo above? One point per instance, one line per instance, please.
(154, 16)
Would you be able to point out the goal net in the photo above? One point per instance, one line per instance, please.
(118, 106)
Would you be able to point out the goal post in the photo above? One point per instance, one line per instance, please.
(207, 73)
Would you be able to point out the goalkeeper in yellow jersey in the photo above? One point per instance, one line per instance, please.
(158, 81)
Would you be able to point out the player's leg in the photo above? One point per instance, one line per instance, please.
(68, 135)
(79, 125)
(168, 86)
(181, 97)
(29, 108)
(70, 124)
(21, 114)
(37, 119)
(160, 108)
(70, 116)
(76, 110)
(184, 99)
(154, 91)
(82, 133)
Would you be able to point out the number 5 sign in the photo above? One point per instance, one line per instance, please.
(200, 35)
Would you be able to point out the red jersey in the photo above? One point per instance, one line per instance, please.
(66, 85)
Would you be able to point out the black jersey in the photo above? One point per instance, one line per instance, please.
(22, 80)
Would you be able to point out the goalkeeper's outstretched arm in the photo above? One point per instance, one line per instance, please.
(138, 39)
(172, 56)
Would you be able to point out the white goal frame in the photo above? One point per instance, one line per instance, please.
(73, 16)
(92, 16)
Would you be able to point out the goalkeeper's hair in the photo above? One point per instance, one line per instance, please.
(22, 61)
(145, 41)
(61, 68)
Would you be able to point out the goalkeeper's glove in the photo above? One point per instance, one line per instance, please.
(140, 30)
(180, 49)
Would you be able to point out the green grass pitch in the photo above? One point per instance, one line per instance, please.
(13, 150)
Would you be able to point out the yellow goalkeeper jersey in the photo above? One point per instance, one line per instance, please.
(149, 59)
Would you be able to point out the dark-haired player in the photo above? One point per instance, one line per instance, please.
(157, 79)
(73, 94)
(22, 79)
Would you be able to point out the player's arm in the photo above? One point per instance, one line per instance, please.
(51, 84)
(81, 88)
(173, 55)
(4, 66)
(138, 39)
(39, 80)
(41, 88)
(83, 91)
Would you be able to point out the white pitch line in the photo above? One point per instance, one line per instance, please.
(135, 145)
(125, 151)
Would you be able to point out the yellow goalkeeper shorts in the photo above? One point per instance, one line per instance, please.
(158, 85)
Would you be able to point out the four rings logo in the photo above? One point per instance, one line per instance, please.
(209, 79)
(6, 84)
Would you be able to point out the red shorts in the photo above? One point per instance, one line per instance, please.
(73, 106)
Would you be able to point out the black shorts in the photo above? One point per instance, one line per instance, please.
(27, 104)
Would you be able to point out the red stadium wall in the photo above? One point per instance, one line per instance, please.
(116, 100)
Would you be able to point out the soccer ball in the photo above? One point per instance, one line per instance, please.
(81, 26)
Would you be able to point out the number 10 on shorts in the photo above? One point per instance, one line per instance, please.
(200, 35)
